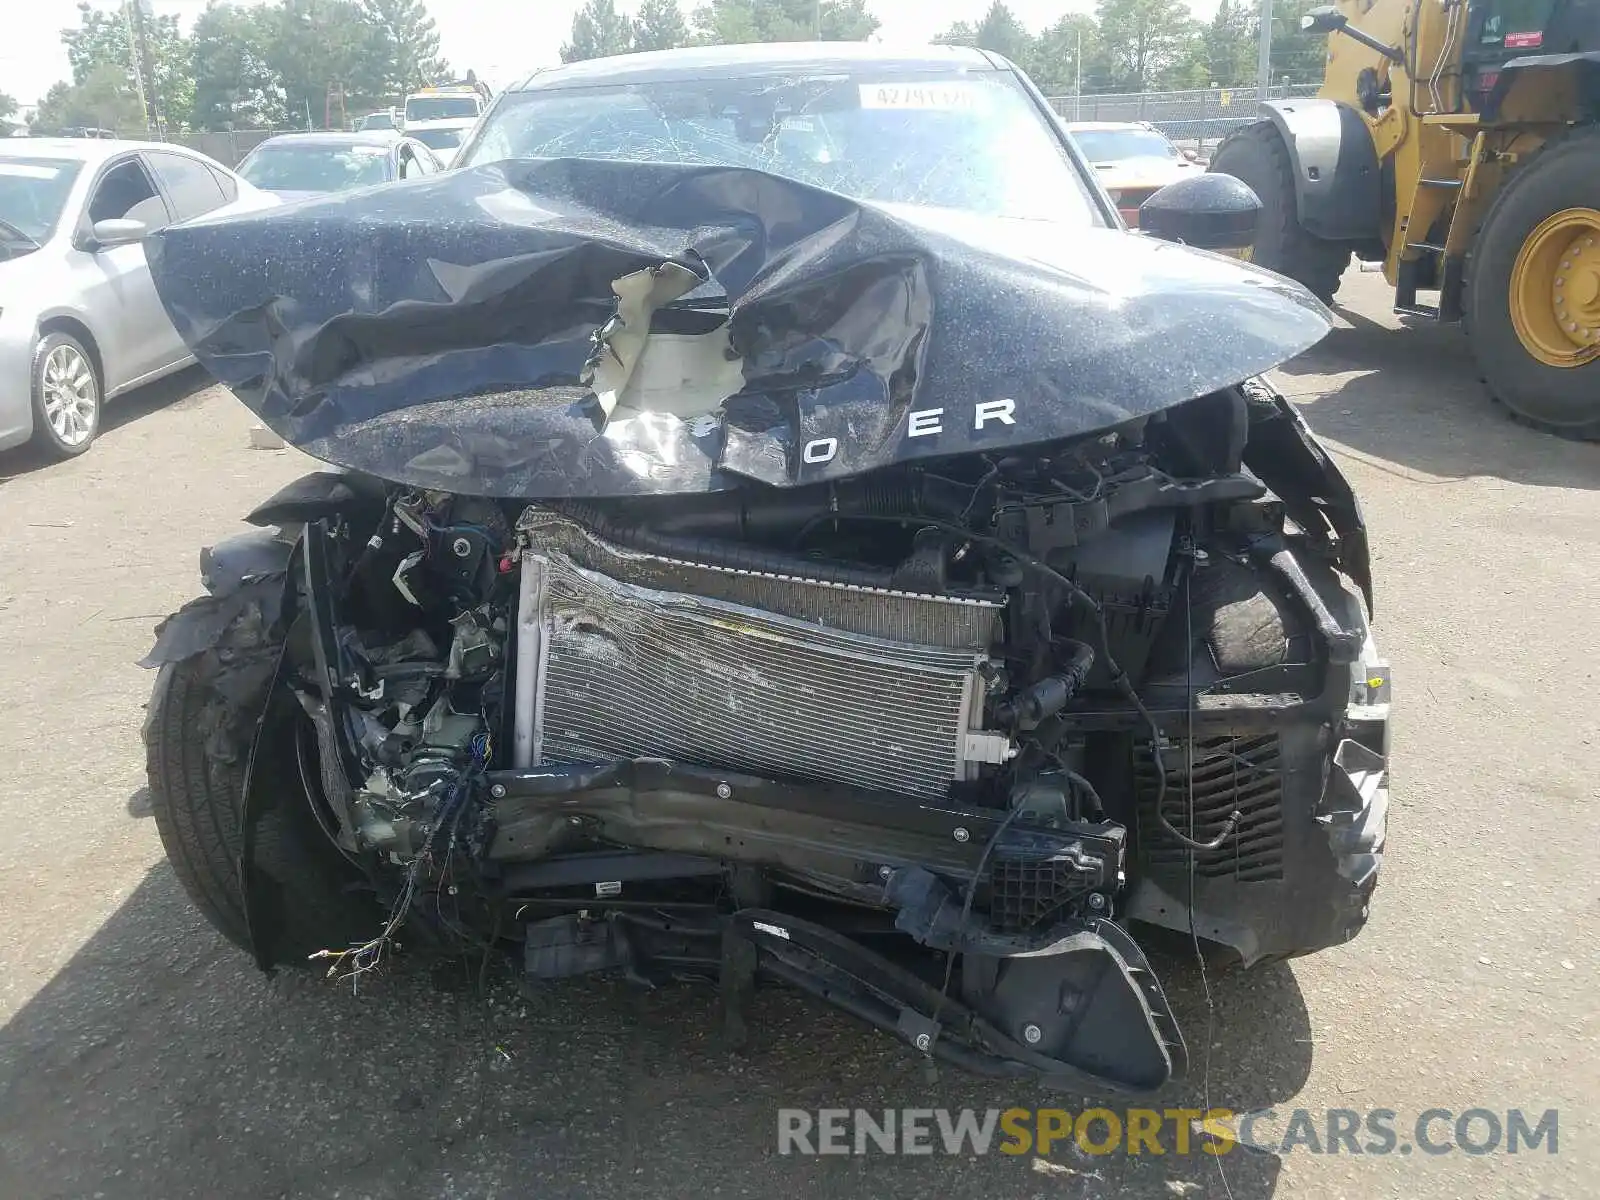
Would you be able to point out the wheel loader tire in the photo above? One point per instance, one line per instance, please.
(1561, 400)
(306, 897)
(1257, 156)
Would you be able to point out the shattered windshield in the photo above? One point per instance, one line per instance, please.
(975, 143)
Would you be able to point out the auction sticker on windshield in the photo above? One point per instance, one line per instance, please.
(28, 170)
(946, 96)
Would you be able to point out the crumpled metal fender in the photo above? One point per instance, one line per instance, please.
(246, 576)
(319, 494)
(1286, 456)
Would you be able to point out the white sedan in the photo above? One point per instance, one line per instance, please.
(80, 321)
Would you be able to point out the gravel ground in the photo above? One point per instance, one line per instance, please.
(142, 1057)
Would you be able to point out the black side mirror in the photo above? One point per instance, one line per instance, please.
(1325, 19)
(1328, 19)
(1212, 212)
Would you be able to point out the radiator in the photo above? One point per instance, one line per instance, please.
(611, 666)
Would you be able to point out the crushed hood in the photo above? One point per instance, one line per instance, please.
(583, 328)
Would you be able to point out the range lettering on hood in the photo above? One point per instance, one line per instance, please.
(577, 328)
(927, 422)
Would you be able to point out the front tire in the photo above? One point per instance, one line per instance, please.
(1533, 290)
(1256, 155)
(67, 396)
(306, 896)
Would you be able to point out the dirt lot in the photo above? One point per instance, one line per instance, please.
(142, 1057)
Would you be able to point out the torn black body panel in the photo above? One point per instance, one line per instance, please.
(448, 333)
(1286, 456)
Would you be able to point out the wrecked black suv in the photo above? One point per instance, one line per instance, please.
(782, 526)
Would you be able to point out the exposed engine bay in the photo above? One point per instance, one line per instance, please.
(729, 579)
(857, 733)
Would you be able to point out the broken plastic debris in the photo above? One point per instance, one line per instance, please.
(1043, 1166)
(262, 438)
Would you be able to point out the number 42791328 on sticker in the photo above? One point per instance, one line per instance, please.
(954, 95)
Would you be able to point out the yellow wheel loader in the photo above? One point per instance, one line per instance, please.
(1456, 142)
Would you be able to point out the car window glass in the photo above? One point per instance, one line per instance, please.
(975, 143)
(194, 190)
(34, 193)
(322, 166)
(439, 139)
(125, 191)
(423, 162)
(230, 189)
(1111, 145)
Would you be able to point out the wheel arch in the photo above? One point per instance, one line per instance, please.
(1336, 172)
(74, 327)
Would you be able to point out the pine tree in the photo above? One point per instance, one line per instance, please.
(598, 30)
(660, 26)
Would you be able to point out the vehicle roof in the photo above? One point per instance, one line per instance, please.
(713, 61)
(334, 137)
(85, 150)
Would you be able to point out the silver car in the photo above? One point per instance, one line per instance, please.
(296, 165)
(79, 318)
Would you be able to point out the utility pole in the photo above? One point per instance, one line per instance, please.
(816, 19)
(1264, 55)
(153, 117)
(1077, 78)
(133, 60)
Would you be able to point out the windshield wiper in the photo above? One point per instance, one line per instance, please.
(14, 235)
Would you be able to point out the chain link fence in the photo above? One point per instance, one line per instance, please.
(1197, 118)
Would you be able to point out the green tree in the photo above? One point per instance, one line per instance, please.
(660, 25)
(598, 30)
(321, 46)
(408, 42)
(102, 99)
(1295, 53)
(101, 40)
(235, 85)
(1230, 44)
(8, 105)
(1143, 41)
(1001, 32)
(1053, 60)
(961, 33)
(730, 22)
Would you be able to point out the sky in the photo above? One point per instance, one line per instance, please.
(502, 40)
